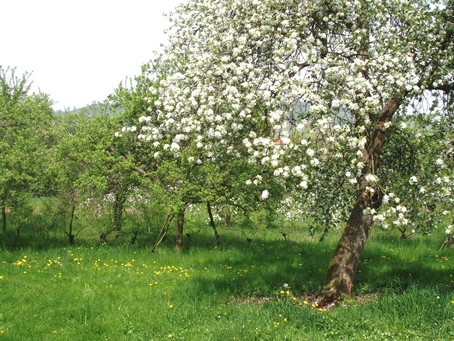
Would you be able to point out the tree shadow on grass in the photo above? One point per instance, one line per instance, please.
(261, 268)
(399, 264)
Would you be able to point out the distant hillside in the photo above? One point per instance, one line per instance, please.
(92, 109)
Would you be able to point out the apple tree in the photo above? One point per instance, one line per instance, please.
(240, 71)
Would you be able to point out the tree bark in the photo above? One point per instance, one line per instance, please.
(213, 225)
(342, 268)
(180, 226)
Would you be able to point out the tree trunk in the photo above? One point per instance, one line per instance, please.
(213, 225)
(342, 268)
(71, 234)
(228, 216)
(162, 235)
(4, 219)
(180, 225)
(119, 202)
(341, 271)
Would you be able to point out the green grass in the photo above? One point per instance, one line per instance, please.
(404, 290)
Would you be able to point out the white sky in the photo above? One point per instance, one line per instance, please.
(80, 50)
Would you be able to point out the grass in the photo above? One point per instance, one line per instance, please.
(404, 290)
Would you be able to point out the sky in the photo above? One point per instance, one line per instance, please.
(78, 51)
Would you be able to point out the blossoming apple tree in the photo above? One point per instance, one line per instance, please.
(176, 167)
(334, 95)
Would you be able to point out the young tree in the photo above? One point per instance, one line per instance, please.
(24, 137)
(240, 68)
(90, 164)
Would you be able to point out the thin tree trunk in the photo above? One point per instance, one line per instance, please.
(162, 235)
(213, 225)
(71, 234)
(4, 219)
(228, 216)
(180, 226)
(120, 200)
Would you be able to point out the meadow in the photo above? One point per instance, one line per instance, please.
(240, 290)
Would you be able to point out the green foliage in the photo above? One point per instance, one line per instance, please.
(24, 139)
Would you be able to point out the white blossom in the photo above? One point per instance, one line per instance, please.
(265, 194)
